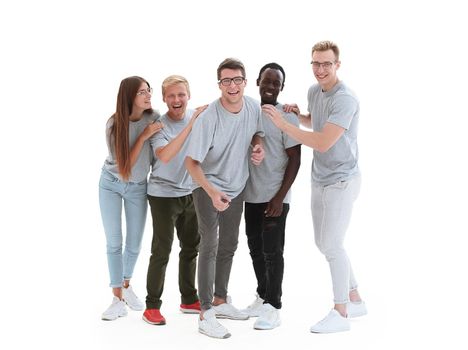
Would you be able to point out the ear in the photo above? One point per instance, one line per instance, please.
(258, 82)
(338, 64)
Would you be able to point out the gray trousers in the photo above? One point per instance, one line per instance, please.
(332, 206)
(217, 247)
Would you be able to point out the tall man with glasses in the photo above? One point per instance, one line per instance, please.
(223, 139)
(334, 116)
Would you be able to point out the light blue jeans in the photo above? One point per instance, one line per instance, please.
(112, 193)
(332, 206)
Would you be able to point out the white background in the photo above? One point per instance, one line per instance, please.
(60, 67)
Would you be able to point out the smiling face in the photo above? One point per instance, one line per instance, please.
(176, 98)
(231, 95)
(142, 99)
(270, 84)
(324, 66)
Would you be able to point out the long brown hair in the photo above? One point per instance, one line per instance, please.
(120, 129)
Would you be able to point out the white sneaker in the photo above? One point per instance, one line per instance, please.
(130, 298)
(269, 318)
(211, 327)
(254, 309)
(115, 310)
(227, 310)
(356, 309)
(334, 322)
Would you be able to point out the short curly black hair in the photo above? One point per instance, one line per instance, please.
(271, 65)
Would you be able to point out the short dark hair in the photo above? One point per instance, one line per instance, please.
(271, 65)
(231, 63)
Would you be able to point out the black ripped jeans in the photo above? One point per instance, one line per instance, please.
(265, 237)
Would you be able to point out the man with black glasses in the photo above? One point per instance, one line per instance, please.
(222, 141)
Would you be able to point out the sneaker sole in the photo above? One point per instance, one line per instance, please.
(114, 318)
(189, 311)
(227, 335)
(266, 328)
(162, 323)
(327, 332)
(227, 317)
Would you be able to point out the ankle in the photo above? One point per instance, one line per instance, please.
(354, 296)
(218, 301)
(341, 308)
(117, 292)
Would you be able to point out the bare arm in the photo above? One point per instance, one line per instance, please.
(219, 199)
(275, 205)
(320, 141)
(149, 131)
(166, 153)
(305, 119)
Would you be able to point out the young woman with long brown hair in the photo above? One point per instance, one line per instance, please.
(124, 181)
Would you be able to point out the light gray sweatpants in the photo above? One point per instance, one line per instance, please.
(332, 206)
(216, 249)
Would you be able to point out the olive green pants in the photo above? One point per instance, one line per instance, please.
(168, 213)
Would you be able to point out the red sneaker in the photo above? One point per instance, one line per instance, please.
(153, 316)
(191, 308)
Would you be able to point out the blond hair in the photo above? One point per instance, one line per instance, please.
(174, 80)
(327, 45)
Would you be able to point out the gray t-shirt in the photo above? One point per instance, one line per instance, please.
(171, 179)
(265, 179)
(141, 168)
(220, 141)
(338, 106)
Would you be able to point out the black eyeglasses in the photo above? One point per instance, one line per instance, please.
(227, 81)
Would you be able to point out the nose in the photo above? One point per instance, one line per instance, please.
(320, 68)
(270, 85)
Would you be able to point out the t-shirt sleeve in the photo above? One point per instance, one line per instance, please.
(309, 99)
(158, 140)
(288, 141)
(342, 110)
(260, 128)
(201, 138)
